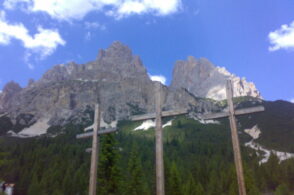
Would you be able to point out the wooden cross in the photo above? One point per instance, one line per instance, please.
(158, 135)
(94, 150)
(235, 141)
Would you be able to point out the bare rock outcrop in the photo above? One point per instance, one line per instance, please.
(203, 79)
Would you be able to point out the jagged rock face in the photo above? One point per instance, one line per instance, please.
(10, 90)
(65, 93)
(203, 79)
(112, 65)
(116, 78)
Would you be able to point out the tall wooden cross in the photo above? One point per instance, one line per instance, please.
(95, 150)
(234, 133)
(158, 135)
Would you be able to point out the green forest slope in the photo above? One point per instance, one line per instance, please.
(198, 160)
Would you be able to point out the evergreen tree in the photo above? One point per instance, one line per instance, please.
(214, 186)
(272, 172)
(250, 182)
(174, 181)
(136, 185)
(233, 190)
(109, 176)
(191, 188)
(68, 186)
(282, 190)
(35, 187)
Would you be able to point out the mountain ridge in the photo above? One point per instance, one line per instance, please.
(117, 78)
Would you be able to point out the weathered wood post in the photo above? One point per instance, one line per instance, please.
(159, 134)
(235, 140)
(94, 154)
(95, 134)
(234, 133)
(159, 142)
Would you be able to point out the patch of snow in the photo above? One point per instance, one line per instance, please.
(209, 122)
(283, 155)
(145, 125)
(2, 115)
(11, 133)
(37, 129)
(169, 123)
(266, 153)
(151, 123)
(91, 127)
(103, 124)
(254, 132)
(202, 121)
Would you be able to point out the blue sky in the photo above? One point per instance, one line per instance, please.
(252, 39)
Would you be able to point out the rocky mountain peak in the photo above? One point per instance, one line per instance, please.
(10, 90)
(116, 53)
(119, 59)
(203, 79)
(112, 64)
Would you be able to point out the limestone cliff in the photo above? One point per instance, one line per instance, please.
(203, 79)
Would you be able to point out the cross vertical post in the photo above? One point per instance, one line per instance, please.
(231, 113)
(159, 164)
(159, 143)
(235, 140)
(94, 154)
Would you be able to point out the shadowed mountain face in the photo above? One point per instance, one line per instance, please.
(117, 78)
(203, 79)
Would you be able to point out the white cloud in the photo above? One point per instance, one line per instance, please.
(95, 25)
(44, 42)
(282, 38)
(78, 9)
(10, 4)
(159, 78)
(292, 100)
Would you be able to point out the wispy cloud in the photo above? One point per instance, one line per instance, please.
(44, 42)
(282, 38)
(159, 78)
(95, 25)
(78, 9)
(88, 36)
(27, 60)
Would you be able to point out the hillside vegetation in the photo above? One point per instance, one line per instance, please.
(198, 160)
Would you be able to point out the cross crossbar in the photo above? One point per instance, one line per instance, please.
(237, 112)
(163, 114)
(90, 134)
